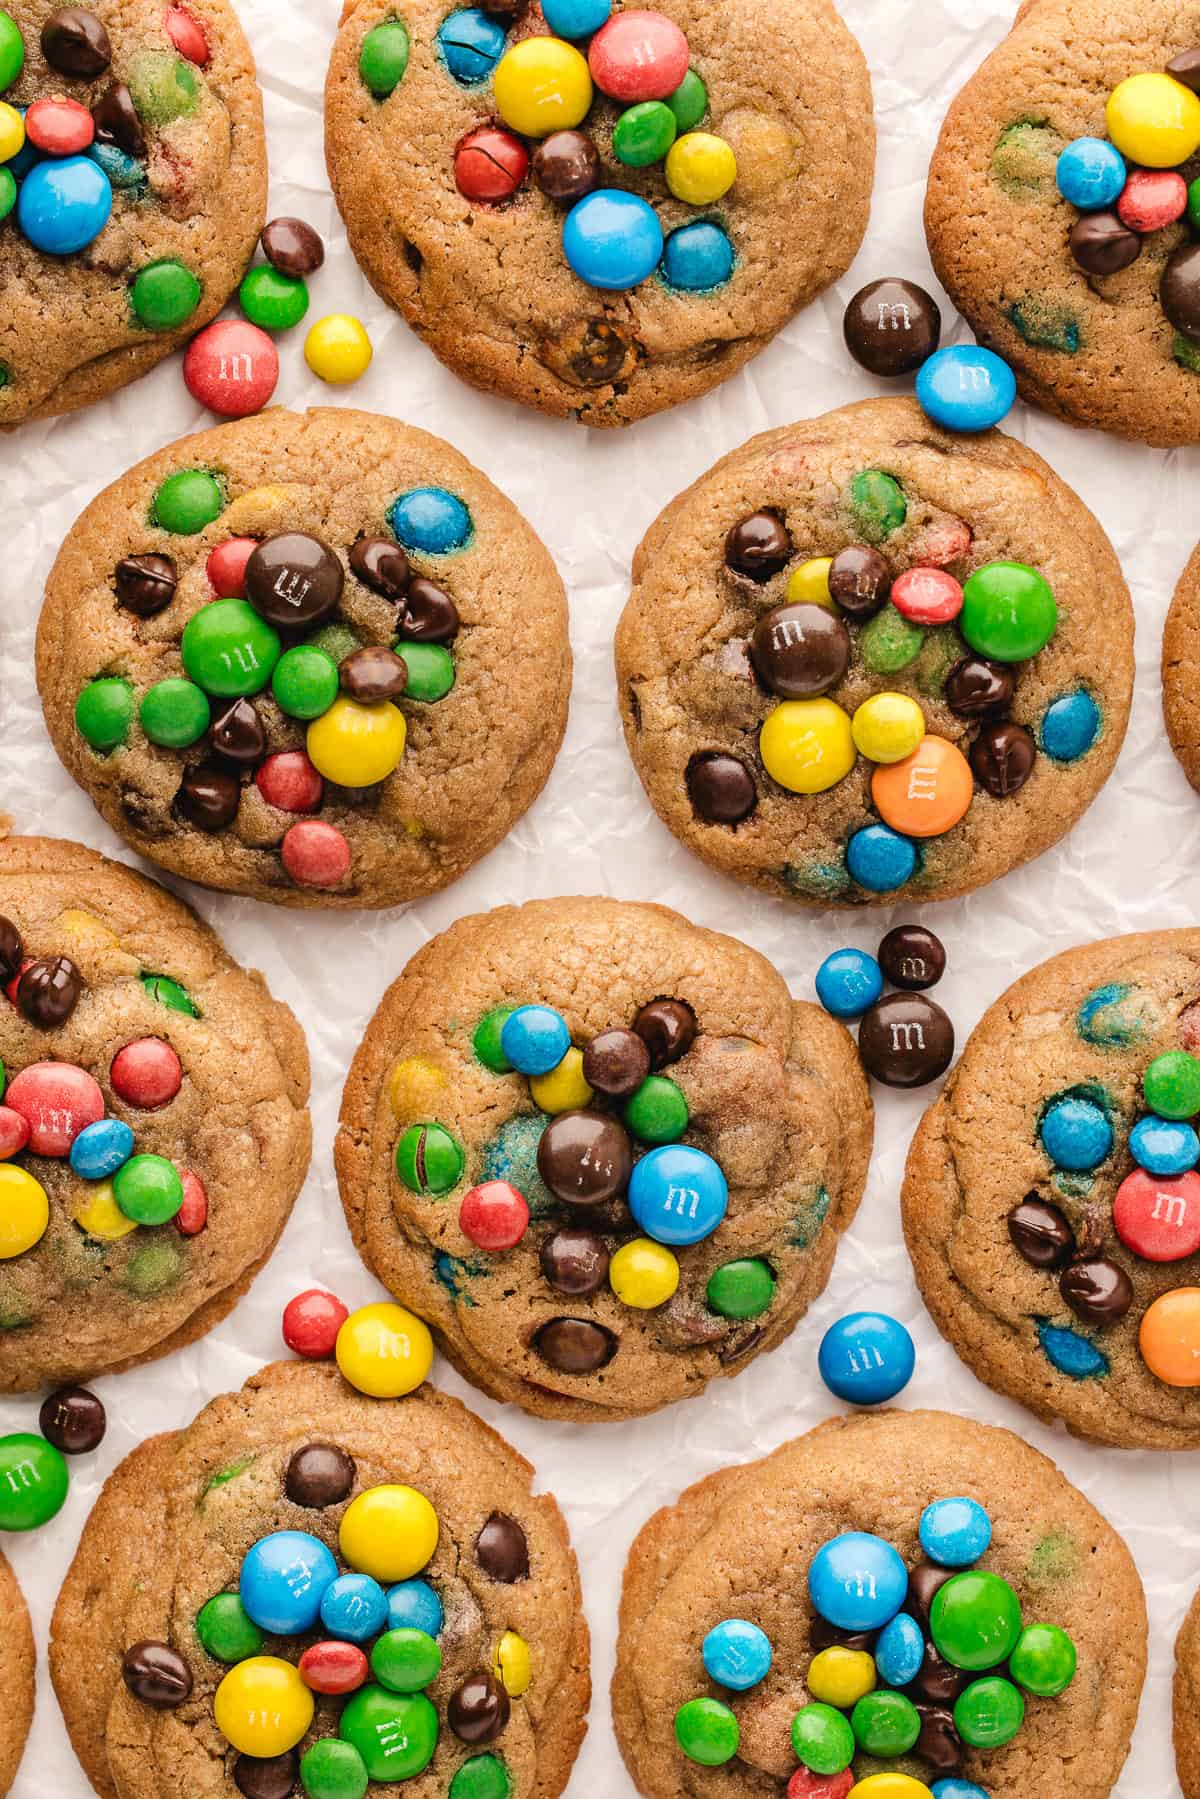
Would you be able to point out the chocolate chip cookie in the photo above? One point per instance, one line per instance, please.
(1052, 1200)
(601, 1151)
(599, 212)
(755, 1572)
(133, 184)
(865, 659)
(307, 1584)
(317, 659)
(17, 1659)
(153, 1122)
(1180, 670)
(1095, 305)
(1187, 1703)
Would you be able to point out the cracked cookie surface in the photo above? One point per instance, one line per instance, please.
(17, 1661)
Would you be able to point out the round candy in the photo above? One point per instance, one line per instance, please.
(707, 1732)
(282, 1583)
(848, 981)
(857, 1582)
(1008, 612)
(146, 1074)
(389, 1532)
(576, 18)
(1076, 1134)
(758, 546)
(430, 521)
(1152, 199)
(384, 58)
(14, 1133)
(807, 745)
(331, 1769)
(228, 650)
(966, 388)
(232, 368)
(1169, 1337)
(429, 668)
(799, 651)
(482, 1777)
(678, 1195)
(611, 239)
(1158, 1217)
(542, 85)
(513, 1664)
(104, 713)
(263, 1707)
(490, 164)
(429, 1160)
(899, 1651)
(470, 44)
(305, 682)
(840, 1676)
(148, 1189)
(59, 127)
(101, 1149)
(822, 1739)
(395, 1733)
(186, 502)
(534, 1039)
(955, 1532)
(885, 1724)
(24, 1211)
(384, 1351)
(927, 793)
(736, 1654)
(174, 713)
(643, 1274)
(880, 859)
(888, 727)
(804, 1784)
(164, 295)
(289, 782)
(1171, 1085)
(1043, 1661)
(73, 1420)
(338, 350)
(99, 1216)
(809, 584)
(700, 168)
(742, 1289)
(564, 1088)
(355, 745)
(912, 957)
(12, 50)
(866, 1358)
(187, 35)
(315, 854)
(566, 166)
(1164, 1146)
(957, 1789)
(494, 1216)
(890, 642)
(891, 326)
(354, 1608)
(1090, 173)
(406, 1660)
(64, 205)
(57, 1101)
(890, 1786)
(928, 596)
(272, 301)
(226, 1630)
(33, 1477)
(1154, 120)
(989, 1713)
(1070, 726)
(413, 1605)
(643, 134)
(638, 55)
(975, 1619)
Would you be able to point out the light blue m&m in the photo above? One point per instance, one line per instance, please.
(848, 981)
(470, 44)
(737, 1654)
(1161, 1146)
(64, 204)
(283, 1581)
(535, 1039)
(866, 1358)
(899, 1651)
(413, 1605)
(612, 239)
(1090, 173)
(697, 257)
(857, 1581)
(575, 18)
(966, 388)
(677, 1194)
(430, 521)
(354, 1608)
(955, 1532)
(101, 1148)
(1070, 726)
(1075, 1134)
(880, 859)
(954, 1788)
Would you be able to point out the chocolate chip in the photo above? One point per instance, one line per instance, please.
(208, 798)
(382, 566)
(292, 247)
(1186, 68)
(373, 674)
(859, 580)
(428, 615)
(319, 1475)
(1179, 293)
(273, 1778)
(75, 43)
(1040, 1233)
(824, 1635)
(722, 789)
(939, 1744)
(294, 581)
(799, 651)
(145, 584)
(574, 1262)
(12, 952)
(157, 1675)
(575, 1345)
(924, 1581)
(1096, 1290)
(479, 1710)
(73, 1420)
(238, 734)
(115, 118)
(585, 1157)
(615, 1063)
(566, 166)
(758, 546)
(905, 1040)
(733, 1352)
(502, 1551)
(938, 1682)
(49, 991)
(912, 957)
(668, 1029)
(975, 686)
(1002, 758)
(891, 326)
(1102, 244)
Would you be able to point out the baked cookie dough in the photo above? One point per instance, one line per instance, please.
(204, 1576)
(658, 1205)
(1051, 1201)
(1187, 1703)
(1096, 307)
(133, 185)
(17, 1661)
(1181, 670)
(749, 1545)
(866, 660)
(153, 1123)
(216, 666)
(505, 188)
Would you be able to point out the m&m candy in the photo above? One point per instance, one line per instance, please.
(494, 1216)
(232, 368)
(146, 1073)
(840, 1676)
(822, 1738)
(413, 1605)
(955, 1532)
(1157, 1216)
(262, 1707)
(389, 1532)
(928, 596)
(857, 1581)
(1169, 1337)
(283, 1580)
(226, 1630)
(354, 1608)
(807, 745)
(102, 1148)
(57, 1100)
(643, 1274)
(612, 239)
(59, 127)
(888, 727)
(470, 43)
(24, 1211)
(164, 295)
(707, 1732)
(989, 1713)
(1171, 1084)
(63, 205)
(1164, 1146)
(737, 1654)
(534, 1039)
(700, 168)
(966, 388)
(1154, 120)
(33, 1479)
(311, 1322)
(975, 1620)
(880, 859)
(490, 164)
(333, 1668)
(866, 1358)
(338, 350)
(1152, 199)
(899, 1651)
(542, 85)
(928, 792)
(678, 1195)
(315, 854)
(804, 1784)
(406, 1660)
(1090, 173)
(1008, 613)
(395, 1733)
(1076, 1134)
(1044, 1660)
(638, 55)
(848, 981)
(576, 18)
(385, 1351)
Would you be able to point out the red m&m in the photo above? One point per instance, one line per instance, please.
(146, 1074)
(226, 567)
(1152, 199)
(804, 1784)
(638, 56)
(232, 368)
(333, 1667)
(289, 781)
(59, 127)
(311, 1323)
(14, 1133)
(928, 596)
(57, 1101)
(1157, 1216)
(494, 1216)
(187, 35)
(490, 164)
(192, 1215)
(315, 854)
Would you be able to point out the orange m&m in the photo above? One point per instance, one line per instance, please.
(927, 793)
(1170, 1337)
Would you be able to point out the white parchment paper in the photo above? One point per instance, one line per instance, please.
(1130, 865)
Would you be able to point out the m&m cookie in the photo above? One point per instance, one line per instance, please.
(890, 673)
(17, 1661)
(1052, 1197)
(1180, 649)
(153, 1136)
(619, 1155)
(317, 659)
(347, 1594)
(577, 205)
(133, 179)
(1187, 1703)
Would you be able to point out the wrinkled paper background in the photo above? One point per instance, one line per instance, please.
(1128, 866)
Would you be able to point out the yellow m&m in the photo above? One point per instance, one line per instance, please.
(513, 1665)
(841, 1676)
(384, 1350)
(542, 85)
(98, 1214)
(889, 1786)
(700, 168)
(806, 745)
(263, 1707)
(24, 1211)
(643, 1274)
(564, 1088)
(338, 349)
(888, 727)
(354, 745)
(12, 132)
(1154, 120)
(415, 1085)
(809, 584)
(389, 1533)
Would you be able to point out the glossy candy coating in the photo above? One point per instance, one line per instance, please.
(63, 205)
(405, 1660)
(612, 240)
(928, 792)
(396, 1734)
(283, 1580)
(534, 1039)
(888, 727)
(354, 1608)
(806, 745)
(975, 1620)
(1154, 120)
(102, 1148)
(822, 1739)
(383, 58)
(885, 1724)
(638, 55)
(542, 85)
(1009, 613)
(232, 368)
(700, 168)
(263, 1707)
(866, 1358)
(33, 1480)
(1171, 1084)
(1076, 1134)
(355, 745)
(891, 326)
(338, 350)
(1169, 1337)
(24, 1211)
(148, 1189)
(490, 165)
(847, 982)
(857, 1581)
(413, 1605)
(840, 1676)
(1164, 1146)
(643, 1274)
(389, 1532)
(697, 258)
(966, 388)
(678, 1195)
(736, 1654)
(384, 1351)
(272, 301)
(880, 859)
(564, 1088)
(955, 1532)
(1090, 173)
(1044, 1660)
(989, 1713)
(494, 1216)
(899, 1651)
(164, 295)
(1157, 1216)
(228, 650)
(707, 1732)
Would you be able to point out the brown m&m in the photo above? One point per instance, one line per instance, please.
(758, 546)
(373, 673)
(294, 581)
(912, 957)
(891, 326)
(616, 1062)
(799, 651)
(905, 1040)
(502, 1550)
(574, 1262)
(721, 788)
(266, 1777)
(73, 1420)
(566, 166)
(859, 580)
(145, 584)
(319, 1475)
(668, 1029)
(292, 247)
(585, 1157)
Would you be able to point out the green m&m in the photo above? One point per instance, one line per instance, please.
(989, 1713)
(104, 713)
(975, 1620)
(12, 50)
(428, 1159)
(1043, 1661)
(430, 670)
(743, 1289)
(406, 1660)
(890, 642)
(384, 58)
(643, 134)
(1008, 611)
(689, 102)
(1171, 1085)
(174, 713)
(164, 295)
(33, 1481)
(170, 993)
(395, 1733)
(153, 1269)
(822, 1739)
(148, 1189)
(707, 1732)
(305, 682)
(885, 1724)
(332, 1769)
(187, 502)
(272, 301)
(877, 505)
(226, 1630)
(164, 87)
(483, 1777)
(8, 192)
(657, 1112)
(229, 650)
(486, 1040)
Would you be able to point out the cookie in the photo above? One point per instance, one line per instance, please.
(317, 659)
(656, 1201)
(153, 1125)
(601, 227)
(865, 660)
(1067, 258)
(303, 1578)
(1051, 1201)
(17, 1660)
(735, 1596)
(133, 185)
(1180, 655)
(1187, 1703)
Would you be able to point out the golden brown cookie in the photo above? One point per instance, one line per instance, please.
(179, 170)
(1063, 1272)
(1096, 348)
(1187, 1703)
(295, 1451)
(17, 1661)
(280, 748)
(129, 1016)
(740, 1545)
(1181, 670)
(445, 1148)
(486, 282)
(709, 669)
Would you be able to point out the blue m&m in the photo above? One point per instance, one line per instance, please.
(899, 1651)
(534, 1039)
(413, 1605)
(966, 388)
(101, 1148)
(955, 1532)
(575, 18)
(1161, 1146)
(880, 859)
(1070, 726)
(470, 44)
(1090, 173)
(612, 239)
(737, 1654)
(697, 257)
(64, 204)
(857, 1581)
(430, 521)
(954, 1788)
(848, 981)
(354, 1608)
(1075, 1134)
(283, 1581)
(677, 1194)
(866, 1358)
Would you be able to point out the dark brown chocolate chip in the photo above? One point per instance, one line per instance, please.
(824, 1635)
(615, 1063)
(73, 1420)
(588, 352)
(49, 991)
(891, 326)
(912, 957)
(566, 166)
(905, 1040)
(502, 1551)
(209, 798)
(758, 546)
(508, 10)
(319, 1475)
(585, 1157)
(382, 566)
(428, 614)
(75, 43)
(273, 1778)
(924, 1581)
(1096, 1290)
(1179, 293)
(722, 789)
(12, 952)
(975, 687)
(799, 651)
(1002, 758)
(668, 1029)
(1040, 1233)
(1102, 244)
(939, 1744)
(575, 1345)
(292, 247)
(741, 1346)
(1186, 68)
(238, 734)
(116, 120)
(294, 581)
(145, 584)
(157, 1675)
(938, 1682)
(479, 1710)
(373, 674)
(859, 580)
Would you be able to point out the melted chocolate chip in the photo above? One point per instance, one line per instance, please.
(116, 120)
(939, 1744)
(824, 1635)
(668, 1029)
(479, 1710)
(238, 734)
(75, 43)
(722, 789)
(1096, 1290)
(1040, 1233)
(12, 952)
(1002, 758)
(49, 991)
(145, 584)
(319, 1475)
(502, 1550)
(382, 566)
(1186, 68)
(575, 1345)
(975, 687)
(208, 798)
(1102, 244)
(429, 615)
(615, 1063)
(157, 1675)
(758, 546)
(938, 1682)
(924, 1581)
